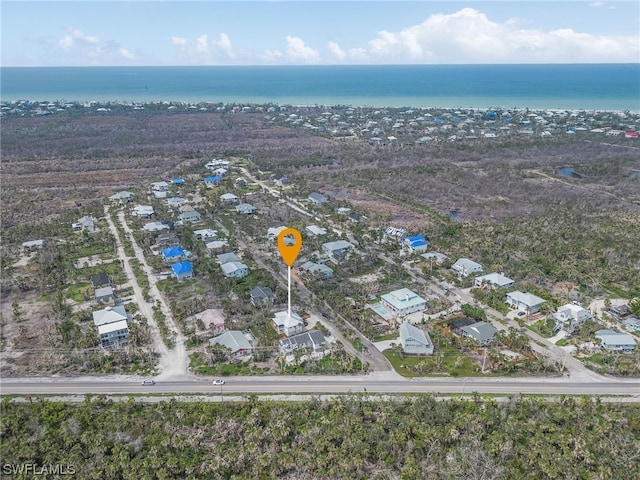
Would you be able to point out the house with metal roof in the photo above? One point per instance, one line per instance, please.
(414, 340)
(84, 224)
(156, 226)
(227, 257)
(465, 267)
(317, 198)
(109, 315)
(235, 270)
(632, 324)
(494, 279)
(527, 302)
(122, 197)
(261, 296)
(286, 324)
(481, 332)
(314, 340)
(235, 341)
(403, 301)
(316, 269)
(315, 230)
(104, 295)
(191, 216)
(616, 341)
(229, 198)
(570, 317)
(112, 326)
(205, 234)
(113, 335)
(338, 250)
(245, 209)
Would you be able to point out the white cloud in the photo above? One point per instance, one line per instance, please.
(271, 56)
(468, 36)
(203, 51)
(351, 55)
(298, 52)
(76, 48)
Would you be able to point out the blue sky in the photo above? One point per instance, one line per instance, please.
(52, 33)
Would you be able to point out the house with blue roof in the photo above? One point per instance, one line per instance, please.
(416, 243)
(178, 181)
(173, 254)
(212, 182)
(182, 271)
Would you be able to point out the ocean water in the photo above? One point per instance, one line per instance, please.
(572, 86)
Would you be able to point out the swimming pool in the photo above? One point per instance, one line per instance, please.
(380, 310)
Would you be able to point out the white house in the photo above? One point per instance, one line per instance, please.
(205, 234)
(229, 198)
(286, 324)
(235, 270)
(113, 335)
(414, 340)
(570, 317)
(337, 250)
(155, 226)
(403, 302)
(273, 232)
(616, 341)
(112, 326)
(465, 267)
(143, 211)
(315, 230)
(494, 279)
(526, 302)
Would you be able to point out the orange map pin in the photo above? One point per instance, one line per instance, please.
(289, 252)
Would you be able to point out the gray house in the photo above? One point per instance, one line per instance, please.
(105, 295)
(261, 296)
(235, 341)
(245, 209)
(190, 217)
(317, 198)
(481, 332)
(616, 341)
(414, 340)
(338, 250)
(314, 340)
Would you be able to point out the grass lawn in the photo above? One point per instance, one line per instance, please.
(410, 366)
(544, 327)
(198, 366)
(391, 336)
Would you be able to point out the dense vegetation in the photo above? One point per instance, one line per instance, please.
(350, 437)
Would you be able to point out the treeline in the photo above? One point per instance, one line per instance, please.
(349, 438)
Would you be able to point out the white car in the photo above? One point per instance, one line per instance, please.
(218, 382)
(148, 381)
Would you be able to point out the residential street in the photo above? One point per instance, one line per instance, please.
(173, 363)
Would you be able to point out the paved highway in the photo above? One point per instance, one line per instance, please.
(320, 385)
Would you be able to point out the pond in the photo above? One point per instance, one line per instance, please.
(567, 172)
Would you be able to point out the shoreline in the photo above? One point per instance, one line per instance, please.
(223, 105)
